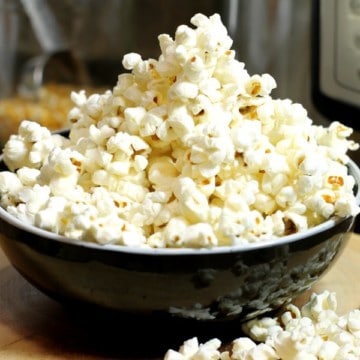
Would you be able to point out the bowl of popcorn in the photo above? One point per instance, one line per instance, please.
(185, 190)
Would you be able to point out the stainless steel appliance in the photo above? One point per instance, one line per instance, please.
(336, 54)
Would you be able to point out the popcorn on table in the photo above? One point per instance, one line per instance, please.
(313, 332)
(188, 150)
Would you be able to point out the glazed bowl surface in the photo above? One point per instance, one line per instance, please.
(211, 285)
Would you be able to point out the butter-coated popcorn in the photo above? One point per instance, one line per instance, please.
(49, 218)
(131, 60)
(29, 147)
(28, 176)
(313, 332)
(187, 150)
(193, 203)
(10, 183)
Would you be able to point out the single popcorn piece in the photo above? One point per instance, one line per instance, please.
(187, 150)
(313, 332)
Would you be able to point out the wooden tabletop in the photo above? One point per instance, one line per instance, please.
(33, 326)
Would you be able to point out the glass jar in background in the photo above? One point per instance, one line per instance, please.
(98, 34)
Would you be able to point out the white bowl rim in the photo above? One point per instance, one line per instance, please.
(261, 244)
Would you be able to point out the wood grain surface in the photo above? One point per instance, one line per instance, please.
(33, 326)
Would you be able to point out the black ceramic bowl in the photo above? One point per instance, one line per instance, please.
(216, 284)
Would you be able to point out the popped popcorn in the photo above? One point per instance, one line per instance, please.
(187, 150)
(313, 332)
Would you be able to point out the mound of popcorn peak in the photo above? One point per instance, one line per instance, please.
(188, 150)
(313, 332)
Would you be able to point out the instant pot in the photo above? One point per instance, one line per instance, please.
(336, 62)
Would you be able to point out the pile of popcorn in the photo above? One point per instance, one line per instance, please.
(188, 150)
(313, 332)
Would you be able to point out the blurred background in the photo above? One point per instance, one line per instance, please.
(269, 36)
(285, 38)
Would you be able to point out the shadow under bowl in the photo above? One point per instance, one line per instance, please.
(211, 285)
